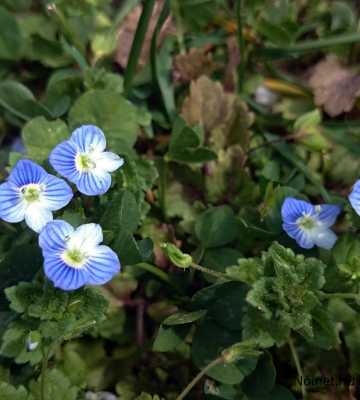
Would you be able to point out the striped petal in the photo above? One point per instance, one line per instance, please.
(25, 172)
(94, 183)
(303, 238)
(89, 138)
(62, 159)
(12, 207)
(292, 209)
(57, 193)
(53, 237)
(327, 214)
(102, 265)
(62, 276)
(354, 197)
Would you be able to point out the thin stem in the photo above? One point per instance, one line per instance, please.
(198, 377)
(138, 43)
(43, 372)
(351, 296)
(299, 370)
(179, 26)
(239, 9)
(205, 270)
(163, 171)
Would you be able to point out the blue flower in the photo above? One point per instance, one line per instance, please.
(83, 161)
(74, 258)
(309, 225)
(32, 194)
(354, 197)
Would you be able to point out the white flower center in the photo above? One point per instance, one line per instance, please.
(74, 258)
(31, 193)
(306, 222)
(84, 162)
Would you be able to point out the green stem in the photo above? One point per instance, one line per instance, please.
(350, 296)
(138, 43)
(163, 171)
(299, 370)
(198, 377)
(216, 274)
(239, 9)
(179, 26)
(43, 373)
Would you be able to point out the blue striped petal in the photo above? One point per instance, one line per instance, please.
(354, 197)
(62, 159)
(102, 265)
(292, 209)
(327, 214)
(303, 238)
(57, 193)
(53, 237)
(12, 207)
(25, 172)
(63, 276)
(94, 183)
(89, 138)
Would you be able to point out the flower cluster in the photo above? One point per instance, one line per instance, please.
(310, 225)
(72, 258)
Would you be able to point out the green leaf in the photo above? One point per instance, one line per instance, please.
(57, 386)
(18, 99)
(122, 213)
(216, 227)
(261, 381)
(41, 136)
(207, 347)
(10, 36)
(181, 318)
(169, 338)
(186, 145)
(9, 392)
(111, 112)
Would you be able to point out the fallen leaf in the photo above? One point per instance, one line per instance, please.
(335, 86)
(191, 65)
(127, 31)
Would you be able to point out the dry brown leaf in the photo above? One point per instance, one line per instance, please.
(232, 63)
(127, 31)
(335, 86)
(191, 65)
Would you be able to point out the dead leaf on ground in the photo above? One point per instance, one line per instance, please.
(193, 64)
(127, 31)
(335, 86)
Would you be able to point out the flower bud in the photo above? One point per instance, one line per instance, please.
(238, 351)
(33, 340)
(176, 256)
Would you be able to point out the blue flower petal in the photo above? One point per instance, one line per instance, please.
(88, 138)
(102, 265)
(94, 183)
(12, 207)
(57, 193)
(292, 209)
(62, 276)
(354, 197)
(62, 159)
(53, 237)
(25, 172)
(302, 238)
(328, 214)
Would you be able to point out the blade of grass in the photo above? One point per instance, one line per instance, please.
(161, 62)
(284, 150)
(307, 46)
(138, 43)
